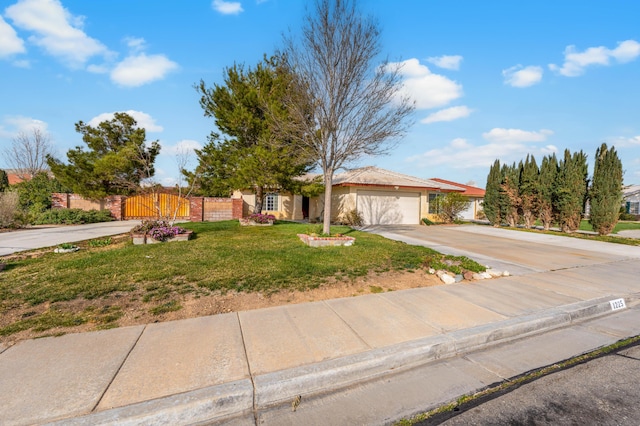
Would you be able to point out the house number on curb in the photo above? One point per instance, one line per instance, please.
(617, 304)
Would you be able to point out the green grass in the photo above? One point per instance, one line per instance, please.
(223, 257)
(620, 226)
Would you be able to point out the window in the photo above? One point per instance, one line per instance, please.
(271, 202)
(634, 208)
(434, 203)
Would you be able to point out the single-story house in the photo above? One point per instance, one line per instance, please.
(475, 195)
(380, 196)
(631, 199)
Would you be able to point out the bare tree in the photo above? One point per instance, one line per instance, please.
(349, 105)
(28, 153)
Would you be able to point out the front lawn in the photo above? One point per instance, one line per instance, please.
(620, 226)
(98, 285)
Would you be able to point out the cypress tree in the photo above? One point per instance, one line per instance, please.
(491, 204)
(529, 183)
(570, 190)
(511, 193)
(606, 190)
(4, 180)
(546, 182)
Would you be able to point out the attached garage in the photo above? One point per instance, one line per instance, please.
(388, 207)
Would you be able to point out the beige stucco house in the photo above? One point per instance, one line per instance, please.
(380, 196)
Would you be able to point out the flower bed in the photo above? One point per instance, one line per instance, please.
(158, 231)
(314, 241)
(258, 220)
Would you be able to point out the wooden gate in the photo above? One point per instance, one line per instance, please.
(156, 206)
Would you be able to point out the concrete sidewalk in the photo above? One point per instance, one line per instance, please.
(41, 237)
(364, 360)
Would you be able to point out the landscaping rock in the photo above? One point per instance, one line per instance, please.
(506, 274)
(494, 273)
(478, 276)
(447, 279)
(468, 275)
(486, 275)
(431, 271)
(458, 278)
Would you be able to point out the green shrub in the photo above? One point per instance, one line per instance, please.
(10, 212)
(353, 218)
(627, 216)
(100, 243)
(72, 217)
(427, 221)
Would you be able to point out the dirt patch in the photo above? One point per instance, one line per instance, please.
(130, 309)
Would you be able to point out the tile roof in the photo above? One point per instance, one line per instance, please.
(470, 191)
(375, 176)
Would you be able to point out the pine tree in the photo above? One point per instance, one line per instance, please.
(606, 190)
(546, 182)
(571, 190)
(529, 188)
(491, 204)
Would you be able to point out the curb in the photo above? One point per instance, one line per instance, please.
(214, 404)
(237, 402)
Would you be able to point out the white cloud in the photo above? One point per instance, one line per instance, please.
(144, 120)
(14, 124)
(98, 69)
(520, 76)
(135, 44)
(427, 89)
(625, 141)
(506, 136)
(227, 7)
(56, 30)
(575, 62)
(22, 63)
(460, 154)
(446, 61)
(141, 69)
(448, 114)
(10, 43)
(184, 147)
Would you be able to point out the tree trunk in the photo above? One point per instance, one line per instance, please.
(328, 186)
(259, 199)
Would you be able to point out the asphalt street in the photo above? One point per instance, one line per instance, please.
(603, 391)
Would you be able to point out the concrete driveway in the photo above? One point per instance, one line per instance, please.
(41, 237)
(518, 252)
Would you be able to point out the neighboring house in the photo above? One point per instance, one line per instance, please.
(13, 176)
(475, 195)
(380, 196)
(631, 199)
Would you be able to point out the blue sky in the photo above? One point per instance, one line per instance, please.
(494, 79)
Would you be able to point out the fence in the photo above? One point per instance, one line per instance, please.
(194, 209)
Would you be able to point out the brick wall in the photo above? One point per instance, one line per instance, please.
(237, 207)
(115, 204)
(78, 202)
(200, 208)
(196, 209)
(215, 209)
(60, 200)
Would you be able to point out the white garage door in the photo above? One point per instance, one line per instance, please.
(468, 213)
(389, 207)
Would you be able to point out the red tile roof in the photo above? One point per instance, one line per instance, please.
(470, 191)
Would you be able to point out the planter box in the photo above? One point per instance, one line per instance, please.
(326, 241)
(248, 222)
(145, 239)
